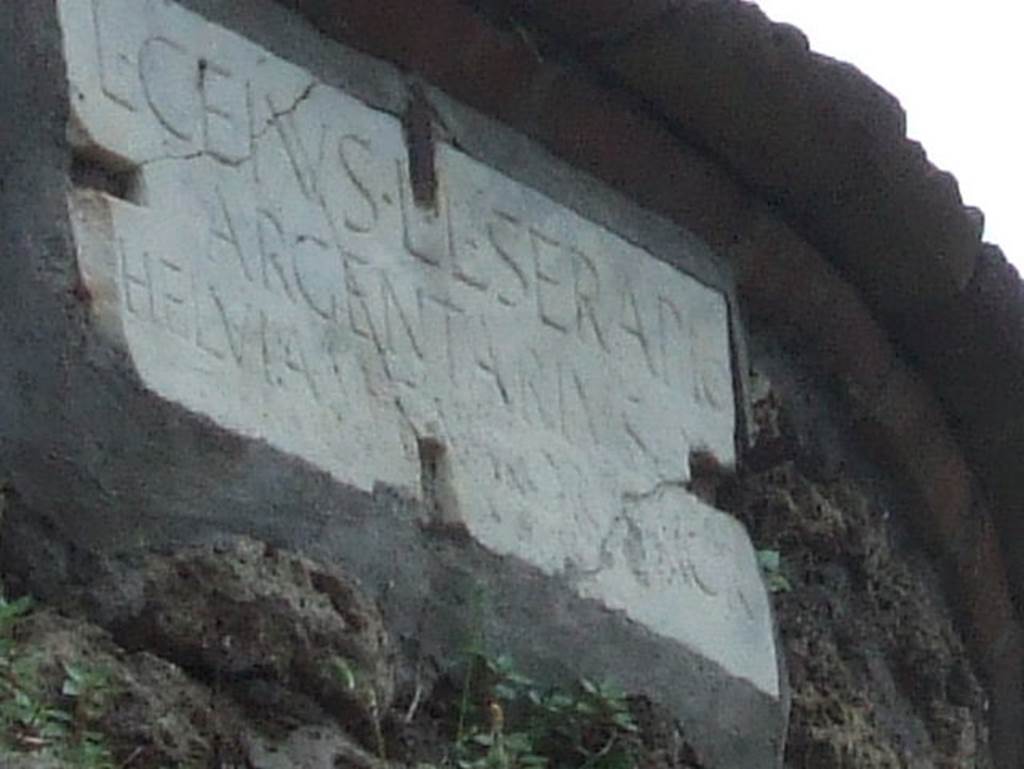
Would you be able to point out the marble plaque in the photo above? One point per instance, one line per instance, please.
(257, 254)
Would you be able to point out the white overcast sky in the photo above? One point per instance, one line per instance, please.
(957, 69)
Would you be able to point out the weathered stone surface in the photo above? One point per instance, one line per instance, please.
(244, 612)
(260, 258)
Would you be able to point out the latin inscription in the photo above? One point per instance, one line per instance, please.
(278, 274)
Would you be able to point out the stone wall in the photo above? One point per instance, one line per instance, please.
(704, 113)
(281, 302)
(798, 168)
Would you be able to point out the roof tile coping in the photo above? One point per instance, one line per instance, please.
(591, 21)
(971, 349)
(811, 134)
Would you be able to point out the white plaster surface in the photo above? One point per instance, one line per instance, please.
(272, 272)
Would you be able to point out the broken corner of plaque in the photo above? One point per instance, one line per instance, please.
(248, 239)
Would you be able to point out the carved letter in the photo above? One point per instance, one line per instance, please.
(317, 288)
(554, 290)
(295, 360)
(360, 315)
(711, 361)
(225, 113)
(274, 251)
(437, 316)
(174, 298)
(401, 329)
(706, 562)
(347, 148)
(136, 281)
(632, 323)
(232, 333)
(505, 233)
(588, 298)
(675, 343)
(539, 389)
(119, 73)
(167, 73)
(578, 424)
(487, 360)
(294, 146)
(224, 232)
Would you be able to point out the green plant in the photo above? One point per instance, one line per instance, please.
(89, 752)
(23, 717)
(345, 672)
(27, 720)
(30, 723)
(770, 562)
(90, 689)
(508, 721)
(32, 718)
(10, 613)
(352, 680)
